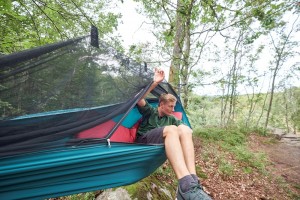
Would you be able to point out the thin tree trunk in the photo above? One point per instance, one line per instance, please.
(262, 110)
(271, 98)
(279, 54)
(286, 110)
(233, 82)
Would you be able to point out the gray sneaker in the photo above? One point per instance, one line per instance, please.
(195, 193)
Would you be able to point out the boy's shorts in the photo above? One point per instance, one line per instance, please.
(154, 136)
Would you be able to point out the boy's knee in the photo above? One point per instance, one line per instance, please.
(171, 129)
(184, 129)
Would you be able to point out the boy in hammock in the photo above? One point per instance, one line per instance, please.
(160, 126)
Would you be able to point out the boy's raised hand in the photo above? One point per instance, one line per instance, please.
(159, 75)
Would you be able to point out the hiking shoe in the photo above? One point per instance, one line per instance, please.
(195, 193)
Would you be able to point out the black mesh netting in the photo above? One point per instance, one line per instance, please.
(74, 76)
(53, 92)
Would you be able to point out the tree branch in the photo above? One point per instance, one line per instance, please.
(61, 35)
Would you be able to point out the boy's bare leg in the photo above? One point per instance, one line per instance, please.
(186, 140)
(174, 151)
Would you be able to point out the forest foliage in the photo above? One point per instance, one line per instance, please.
(31, 23)
(249, 111)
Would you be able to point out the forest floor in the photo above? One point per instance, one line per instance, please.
(280, 178)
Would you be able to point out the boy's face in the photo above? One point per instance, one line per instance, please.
(167, 108)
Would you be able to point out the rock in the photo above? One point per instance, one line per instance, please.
(118, 194)
(166, 192)
(149, 196)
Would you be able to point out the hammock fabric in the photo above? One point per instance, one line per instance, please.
(69, 119)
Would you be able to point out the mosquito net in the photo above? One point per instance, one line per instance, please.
(51, 93)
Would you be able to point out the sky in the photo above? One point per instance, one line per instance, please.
(133, 29)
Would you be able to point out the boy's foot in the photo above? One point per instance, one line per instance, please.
(195, 193)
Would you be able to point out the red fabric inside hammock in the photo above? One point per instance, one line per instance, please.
(122, 134)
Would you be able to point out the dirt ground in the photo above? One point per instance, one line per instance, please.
(280, 182)
(284, 156)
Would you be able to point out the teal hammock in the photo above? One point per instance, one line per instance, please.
(74, 170)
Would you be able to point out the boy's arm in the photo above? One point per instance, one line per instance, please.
(159, 76)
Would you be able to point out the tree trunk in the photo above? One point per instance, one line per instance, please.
(186, 55)
(280, 56)
(233, 79)
(178, 46)
(271, 97)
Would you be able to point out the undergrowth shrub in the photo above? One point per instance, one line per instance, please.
(233, 140)
(225, 167)
(227, 136)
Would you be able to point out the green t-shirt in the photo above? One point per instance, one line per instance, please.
(151, 119)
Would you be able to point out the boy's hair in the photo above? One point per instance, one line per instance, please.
(167, 98)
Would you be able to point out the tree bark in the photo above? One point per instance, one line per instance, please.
(178, 46)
